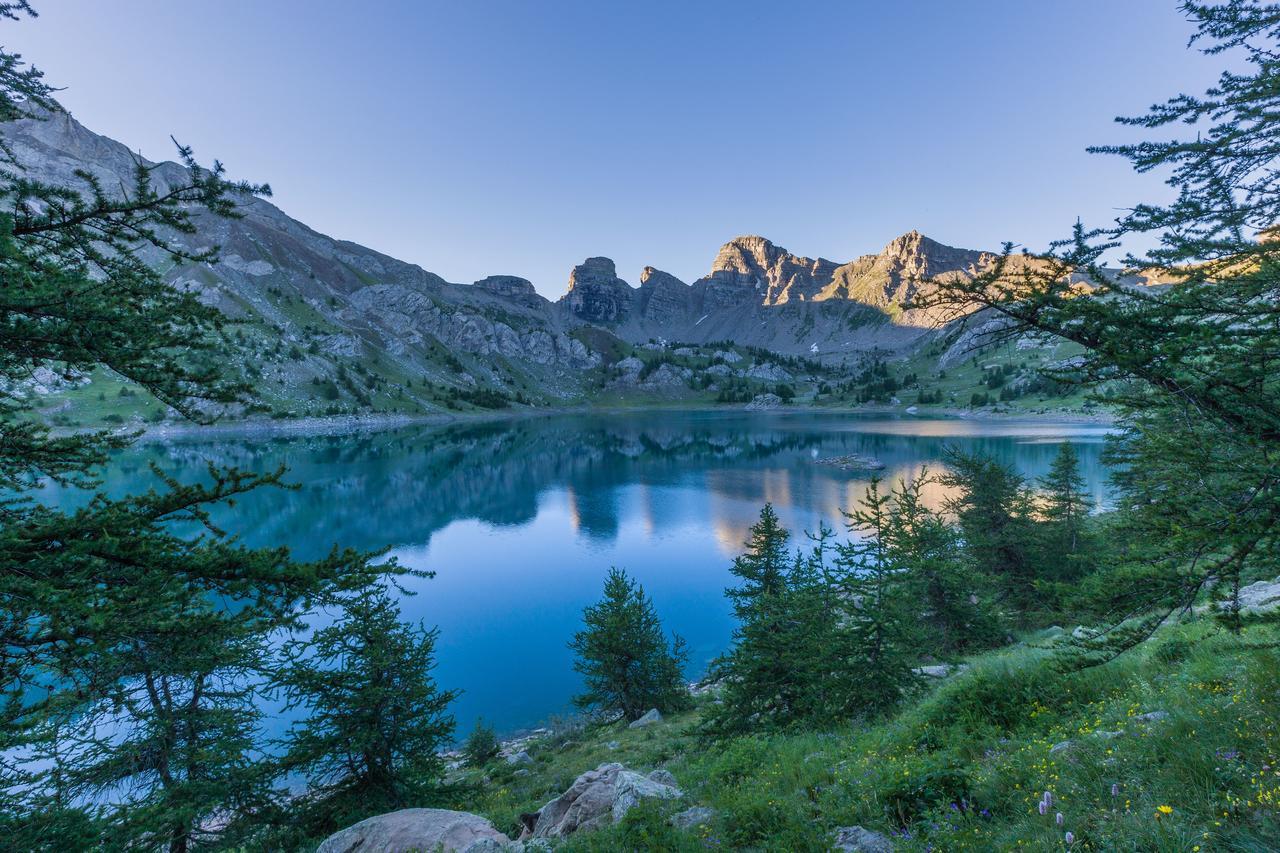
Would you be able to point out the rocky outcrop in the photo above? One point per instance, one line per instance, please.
(509, 287)
(596, 294)
(648, 719)
(663, 298)
(411, 830)
(597, 798)
(855, 839)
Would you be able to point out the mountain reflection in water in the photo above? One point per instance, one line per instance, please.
(521, 519)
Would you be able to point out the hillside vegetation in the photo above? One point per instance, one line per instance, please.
(1174, 747)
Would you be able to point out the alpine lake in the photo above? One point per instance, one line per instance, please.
(520, 519)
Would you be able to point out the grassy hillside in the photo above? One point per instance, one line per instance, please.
(1174, 746)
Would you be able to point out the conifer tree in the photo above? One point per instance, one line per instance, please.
(954, 601)
(1067, 550)
(881, 641)
(1194, 365)
(765, 673)
(98, 605)
(627, 665)
(376, 720)
(994, 510)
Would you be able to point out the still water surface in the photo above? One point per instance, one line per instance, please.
(521, 519)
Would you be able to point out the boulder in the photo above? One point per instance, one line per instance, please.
(764, 401)
(664, 777)
(693, 818)
(855, 839)
(597, 798)
(650, 717)
(1152, 717)
(520, 757)
(418, 829)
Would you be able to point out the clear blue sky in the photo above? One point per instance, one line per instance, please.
(482, 137)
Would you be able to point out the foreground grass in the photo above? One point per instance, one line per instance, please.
(966, 767)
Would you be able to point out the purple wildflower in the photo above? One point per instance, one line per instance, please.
(1070, 838)
(1059, 819)
(1044, 808)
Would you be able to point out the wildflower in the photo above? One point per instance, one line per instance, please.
(1048, 798)
(1059, 819)
(1070, 838)
(1115, 789)
(1044, 809)
(1164, 810)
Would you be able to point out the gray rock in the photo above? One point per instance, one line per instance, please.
(664, 777)
(855, 839)
(693, 818)
(650, 717)
(1152, 717)
(596, 294)
(520, 757)
(418, 829)
(1062, 746)
(764, 401)
(596, 798)
(612, 745)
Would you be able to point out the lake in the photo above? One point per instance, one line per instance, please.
(521, 519)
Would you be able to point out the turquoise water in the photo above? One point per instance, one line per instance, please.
(521, 519)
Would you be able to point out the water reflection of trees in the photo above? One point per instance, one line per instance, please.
(398, 487)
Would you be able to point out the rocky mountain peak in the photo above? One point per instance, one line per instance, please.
(596, 294)
(779, 275)
(663, 297)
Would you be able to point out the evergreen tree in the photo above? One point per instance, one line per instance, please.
(881, 638)
(953, 600)
(626, 663)
(765, 674)
(1194, 366)
(98, 605)
(482, 745)
(376, 718)
(1067, 549)
(995, 513)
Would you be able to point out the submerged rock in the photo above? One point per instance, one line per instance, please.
(418, 829)
(852, 462)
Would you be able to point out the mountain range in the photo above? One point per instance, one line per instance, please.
(319, 313)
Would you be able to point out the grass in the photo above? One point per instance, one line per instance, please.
(965, 767)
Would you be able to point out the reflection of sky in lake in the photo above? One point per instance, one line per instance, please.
(520, 520)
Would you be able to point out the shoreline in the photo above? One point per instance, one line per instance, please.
(348, 424)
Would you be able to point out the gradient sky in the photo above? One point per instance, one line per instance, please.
(478, 137)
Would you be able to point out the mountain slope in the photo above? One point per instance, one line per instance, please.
(327, 326)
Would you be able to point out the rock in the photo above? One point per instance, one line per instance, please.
(664, 777)
(769, 373)
(1152, 717)
(520, 757)
(418, 829)
(668, 376)
(855, 839)
(941, 670)
(596, 294)
(693, 818)
(1061, 746)
(523, 771)
(509, 287)
(596, 798)
(1260, 597)
(764, 401)
(662, 297)
(612, 745)
(851, 462)
(650, 717)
